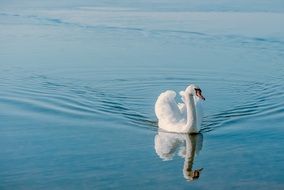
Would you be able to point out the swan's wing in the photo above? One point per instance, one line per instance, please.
(166, 108)
(181, 106)
(182, 109)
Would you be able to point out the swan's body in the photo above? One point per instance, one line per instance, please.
(182, 117)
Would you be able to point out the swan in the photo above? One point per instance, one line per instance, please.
(182, 117)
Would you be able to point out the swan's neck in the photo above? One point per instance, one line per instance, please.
(191, 115)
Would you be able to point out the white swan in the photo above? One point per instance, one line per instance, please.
(183, 117)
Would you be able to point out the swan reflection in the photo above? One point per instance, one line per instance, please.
(186, 146)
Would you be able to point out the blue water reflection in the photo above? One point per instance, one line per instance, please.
(187, 146)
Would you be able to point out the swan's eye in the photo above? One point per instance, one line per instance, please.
(198, 90)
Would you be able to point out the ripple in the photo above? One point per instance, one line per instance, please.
(260, 105)
(85, 102)
(70, 102)
(130, 100)
(259, 101)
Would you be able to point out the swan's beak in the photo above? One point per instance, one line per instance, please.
(199, 94)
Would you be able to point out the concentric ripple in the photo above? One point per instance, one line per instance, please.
(130, 101)
(128, 95)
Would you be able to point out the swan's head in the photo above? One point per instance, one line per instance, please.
(194, 90)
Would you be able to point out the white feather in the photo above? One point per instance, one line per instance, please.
(175, 117)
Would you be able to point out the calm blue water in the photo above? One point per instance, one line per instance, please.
(79, 81)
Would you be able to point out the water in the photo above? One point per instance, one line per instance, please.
(79, 81)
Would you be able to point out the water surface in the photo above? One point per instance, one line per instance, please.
(79, 82)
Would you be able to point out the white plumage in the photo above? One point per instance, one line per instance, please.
(183, 117)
